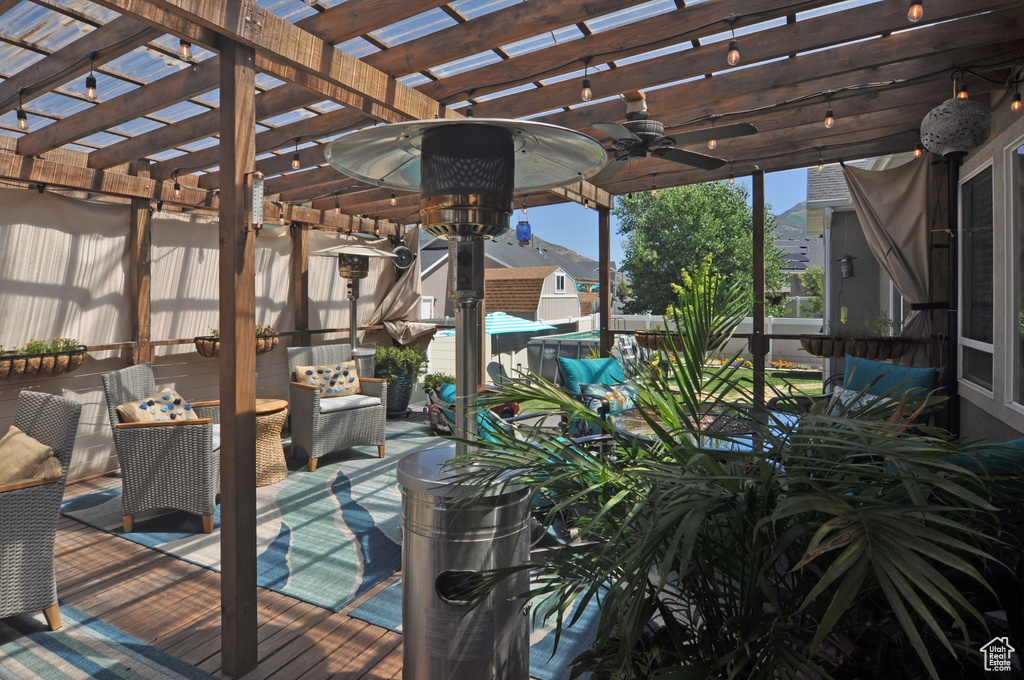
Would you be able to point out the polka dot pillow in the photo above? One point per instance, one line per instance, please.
(164, 405)
(336, 380)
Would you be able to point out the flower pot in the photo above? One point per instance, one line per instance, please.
(209, 346)
(875, 348)
(399, 392)
(653, 340)
(47, 365)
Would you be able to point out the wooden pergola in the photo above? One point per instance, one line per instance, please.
(292, 75)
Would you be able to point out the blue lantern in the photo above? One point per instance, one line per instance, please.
(523, 232)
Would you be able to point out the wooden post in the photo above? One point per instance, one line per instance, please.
(300, 280)
(604, 278)
(238, 361)
(758, 343)
(139, 256)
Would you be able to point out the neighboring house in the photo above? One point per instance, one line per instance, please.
(505, 252)
(546, 294)
(801, 255)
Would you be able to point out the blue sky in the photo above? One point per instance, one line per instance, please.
(573, 226)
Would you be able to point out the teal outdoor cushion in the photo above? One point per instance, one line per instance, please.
(600, 371)
(446, 392)
(1003, 459)
(860, 372)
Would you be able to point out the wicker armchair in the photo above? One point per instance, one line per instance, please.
(173, 465)
(29, 510)
(319, 433)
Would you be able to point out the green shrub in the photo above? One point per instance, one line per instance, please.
(391, 363)
(434, 380)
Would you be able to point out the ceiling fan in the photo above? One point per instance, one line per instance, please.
(642, 136)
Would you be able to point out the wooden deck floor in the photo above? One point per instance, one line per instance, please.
(175, 606)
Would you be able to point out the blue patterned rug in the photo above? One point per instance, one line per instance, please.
(83, 648)
(325, 537)
(546, 662)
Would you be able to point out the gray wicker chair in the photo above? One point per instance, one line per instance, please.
(29, 510)
(319, 433)
(164, 465)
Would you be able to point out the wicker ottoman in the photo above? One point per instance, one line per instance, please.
(270, 463)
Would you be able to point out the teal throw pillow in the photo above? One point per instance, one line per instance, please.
(1003, 459)
(860, 372)
(446, 392)
(590, 371)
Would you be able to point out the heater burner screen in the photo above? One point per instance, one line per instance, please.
(468, 159)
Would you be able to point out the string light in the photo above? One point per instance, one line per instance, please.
(186, 50)
(961, 91)
(918, 150)
(830, 119)
(393, 200)
(712, 143)
(732, 177)
(733, 57)
(1016, 105)
(916, 11)
(821, 163)
(654, 185)
(586, 94)
(296, 163)
(22, 116)
(90, 80)
(177, 190)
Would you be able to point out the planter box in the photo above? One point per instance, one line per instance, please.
(209, 346)
(876, 349)
(47, 365)
(653, 340)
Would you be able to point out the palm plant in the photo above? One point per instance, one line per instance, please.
(823, 546)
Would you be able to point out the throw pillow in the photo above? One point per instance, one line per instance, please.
(50, 469)
(446, 392)
(855, 401)
(21, 456)
(860, 372)
(164, 405)
(600, 371)
(336, 380)
(621, 397)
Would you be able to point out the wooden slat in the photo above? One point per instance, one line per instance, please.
(120, 36)
(7, 5)
(139, 256)
(238, 377)
(757, 341)
(604, 240)
(300, 281)
(126, 107)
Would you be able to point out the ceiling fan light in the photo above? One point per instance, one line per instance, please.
(586, 94)
(916, 12)
(734, 53)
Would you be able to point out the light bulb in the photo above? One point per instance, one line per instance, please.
(916, 11)
(962, 92)
(712, 143)
(186, 50)
(177, 190)
(22, 120)
(654, 190)
(732, 178)
(586, 94)
(830, 119)
(393, 200)
(821, 164)
(1016, 105)
(918, 150)
(734, 53)
(90, 87)
(295, 161)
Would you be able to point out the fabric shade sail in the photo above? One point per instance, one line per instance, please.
(508, 333)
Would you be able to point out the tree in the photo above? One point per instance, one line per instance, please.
(677, 228)
(813, 281)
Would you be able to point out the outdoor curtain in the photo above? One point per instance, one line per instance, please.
(896, 212)
(399, 310)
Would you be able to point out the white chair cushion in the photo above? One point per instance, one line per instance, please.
(346, 402)
(216, 436)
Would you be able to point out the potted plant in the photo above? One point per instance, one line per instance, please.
(878, 339)
(209, 345)
(41, 359)
(824, 547)
(399, 367)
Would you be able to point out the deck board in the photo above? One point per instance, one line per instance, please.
(175, 606)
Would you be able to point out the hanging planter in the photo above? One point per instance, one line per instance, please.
(874, 348)
(653, 340)
(209, 345)
(48, 364)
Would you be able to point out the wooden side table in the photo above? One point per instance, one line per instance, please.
(271, 467)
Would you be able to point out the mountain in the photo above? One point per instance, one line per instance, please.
(793, 222)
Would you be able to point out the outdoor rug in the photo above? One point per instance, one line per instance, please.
(546, 663)
(324, 537)
(83, 648)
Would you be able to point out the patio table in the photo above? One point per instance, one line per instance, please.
(271, 466)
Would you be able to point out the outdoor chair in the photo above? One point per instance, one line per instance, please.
(170, 464)
(324, 425)
(29, 510)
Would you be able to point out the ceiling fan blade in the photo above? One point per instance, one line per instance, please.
(720, 132)
(697, 160)
(617, 132)
(610, 170)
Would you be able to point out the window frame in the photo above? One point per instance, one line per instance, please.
(560, 283)
(970, 343)
(1014, 252)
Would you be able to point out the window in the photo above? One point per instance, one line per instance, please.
(1017, 307)
(559, 284)
(976, 279)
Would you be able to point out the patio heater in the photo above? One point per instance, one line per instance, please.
(354, 265)
(466, 171)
